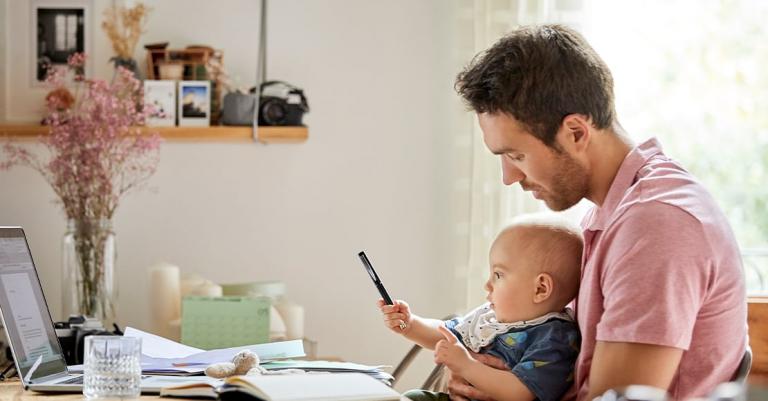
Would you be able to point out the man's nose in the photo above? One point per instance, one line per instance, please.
(511, 174)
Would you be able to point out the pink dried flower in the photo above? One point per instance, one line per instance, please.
(97, 153)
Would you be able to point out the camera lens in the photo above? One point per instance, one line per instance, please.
(273, 112)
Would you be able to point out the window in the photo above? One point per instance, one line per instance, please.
(693, 74)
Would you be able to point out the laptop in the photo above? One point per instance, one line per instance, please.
(29, 328)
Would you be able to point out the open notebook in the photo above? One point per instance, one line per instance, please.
(295, 387)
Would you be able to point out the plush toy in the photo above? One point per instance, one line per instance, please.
(241, 364)
(244, 363)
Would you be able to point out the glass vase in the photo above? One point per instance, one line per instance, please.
(89, 280)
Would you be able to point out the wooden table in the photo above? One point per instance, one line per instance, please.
(11, 390)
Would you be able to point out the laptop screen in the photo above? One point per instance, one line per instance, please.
(25, 313)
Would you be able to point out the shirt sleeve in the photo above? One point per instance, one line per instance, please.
(655, 278)
(451, 325)
(546, 366)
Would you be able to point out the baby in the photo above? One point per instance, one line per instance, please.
(535, 266)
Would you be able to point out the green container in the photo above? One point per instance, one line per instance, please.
(223, 322)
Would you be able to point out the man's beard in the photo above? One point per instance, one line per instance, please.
(569, 184)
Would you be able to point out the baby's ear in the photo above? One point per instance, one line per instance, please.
(545, 286)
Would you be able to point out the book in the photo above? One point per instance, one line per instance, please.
(295, 387)
(332, 367)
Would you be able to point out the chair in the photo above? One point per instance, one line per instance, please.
(744, 367)
(433, 382)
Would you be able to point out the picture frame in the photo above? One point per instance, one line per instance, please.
(161, 95)
(194, 104)
(59, 29)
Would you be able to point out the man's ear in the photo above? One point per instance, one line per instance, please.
(545, 285)
(577, 132)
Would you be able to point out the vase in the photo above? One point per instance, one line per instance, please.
(89, 280)
(127, 63)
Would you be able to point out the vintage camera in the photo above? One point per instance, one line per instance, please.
(72, 335)
(281, 103)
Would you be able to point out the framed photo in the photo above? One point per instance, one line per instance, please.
(194, 103)
(161, 95)
(60, 28)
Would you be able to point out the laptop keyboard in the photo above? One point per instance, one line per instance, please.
(74, 380)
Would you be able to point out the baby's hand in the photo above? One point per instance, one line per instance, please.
(397, 317)
(450, 352)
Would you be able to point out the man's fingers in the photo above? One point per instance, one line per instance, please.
(490, 360)
(455, 397)
(459, 389)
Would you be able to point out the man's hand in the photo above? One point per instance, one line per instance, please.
(395, 315)
(450, 352)
(460, 390)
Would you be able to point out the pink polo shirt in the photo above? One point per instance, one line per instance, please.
(661, 266)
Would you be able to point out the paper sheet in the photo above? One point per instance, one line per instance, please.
(160, 355)
(158, 347)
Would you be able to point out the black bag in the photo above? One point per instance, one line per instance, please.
(237, 108)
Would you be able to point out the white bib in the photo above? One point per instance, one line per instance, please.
(479, 327)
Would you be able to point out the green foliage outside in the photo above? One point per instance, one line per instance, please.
(695, 75)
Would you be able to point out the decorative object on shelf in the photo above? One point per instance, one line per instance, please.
(193, 59)
(281, 104)
(63, 29)
(171, 70)
(194, 103)
(162, 96)
(238, 108)
(156, 46)
(195, 63)
(127, 63)
(124, 26)
(60, 98)
(98, 153)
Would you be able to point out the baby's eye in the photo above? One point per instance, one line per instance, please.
(496, 275)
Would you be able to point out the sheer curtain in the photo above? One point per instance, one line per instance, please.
(491, 205)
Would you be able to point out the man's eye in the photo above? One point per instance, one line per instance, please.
(515, 158)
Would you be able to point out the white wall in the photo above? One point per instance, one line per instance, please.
(377, 172)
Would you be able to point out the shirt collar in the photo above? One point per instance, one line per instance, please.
(625, 177)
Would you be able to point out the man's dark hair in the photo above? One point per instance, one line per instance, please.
(539, 75)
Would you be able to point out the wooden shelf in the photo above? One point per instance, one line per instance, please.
(188, 134)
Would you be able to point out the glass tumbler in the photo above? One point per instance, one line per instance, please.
(112, 367)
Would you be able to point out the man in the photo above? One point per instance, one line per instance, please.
(662, 299)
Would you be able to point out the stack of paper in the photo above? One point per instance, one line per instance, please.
(161, 356)
(332, 367)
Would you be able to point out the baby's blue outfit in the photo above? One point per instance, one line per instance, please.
(541, 353)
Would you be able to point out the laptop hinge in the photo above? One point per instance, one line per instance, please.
(48, 378)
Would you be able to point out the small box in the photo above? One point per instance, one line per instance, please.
(223, 322)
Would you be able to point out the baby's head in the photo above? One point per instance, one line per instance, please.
(535, 268)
